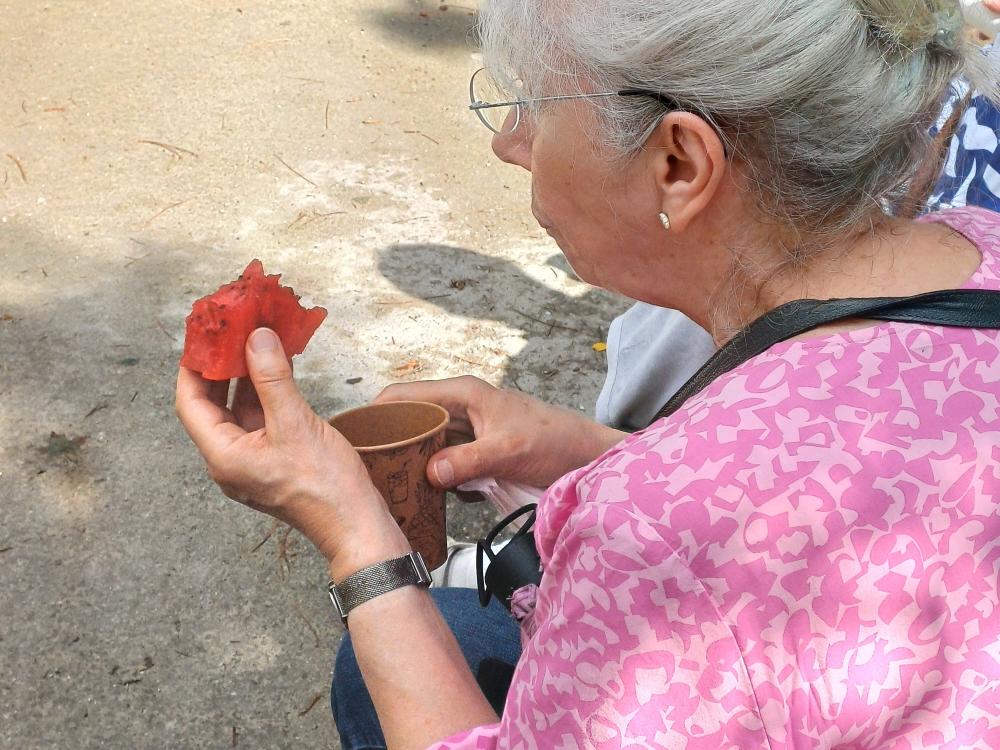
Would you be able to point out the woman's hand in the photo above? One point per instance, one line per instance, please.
(272, 452)
(276, 455)
(504, 434)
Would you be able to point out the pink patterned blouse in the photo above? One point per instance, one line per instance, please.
(807, 555)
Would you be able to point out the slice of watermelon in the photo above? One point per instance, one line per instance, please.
(220, 324)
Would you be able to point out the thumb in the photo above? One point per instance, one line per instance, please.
(271, 375)
(459, 464)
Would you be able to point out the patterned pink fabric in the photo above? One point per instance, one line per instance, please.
(805, 556)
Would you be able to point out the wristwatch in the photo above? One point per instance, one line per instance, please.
(378, 579)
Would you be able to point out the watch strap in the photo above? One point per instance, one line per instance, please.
(378, 579)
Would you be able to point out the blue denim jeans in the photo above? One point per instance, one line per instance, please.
(490, 640)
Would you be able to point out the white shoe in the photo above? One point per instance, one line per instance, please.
(459, 568)
(455, 572)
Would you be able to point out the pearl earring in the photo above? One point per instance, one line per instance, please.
(665, 220)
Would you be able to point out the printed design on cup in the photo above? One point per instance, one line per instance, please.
(424, 528)
(430, 447)
(396, 441)
(397, 484)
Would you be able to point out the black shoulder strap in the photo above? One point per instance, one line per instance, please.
(964, 308)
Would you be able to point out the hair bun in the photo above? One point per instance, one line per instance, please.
(913, 24)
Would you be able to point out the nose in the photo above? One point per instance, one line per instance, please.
(514, 147)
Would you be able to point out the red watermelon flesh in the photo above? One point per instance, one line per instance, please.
(220, 324)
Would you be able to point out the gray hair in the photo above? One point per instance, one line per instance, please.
(828, 102)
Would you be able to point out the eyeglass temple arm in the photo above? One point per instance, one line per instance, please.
(665, 100)
(662, 98)
(491, 105)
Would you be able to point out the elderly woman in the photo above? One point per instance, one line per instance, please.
(804, 554)
(652, 350)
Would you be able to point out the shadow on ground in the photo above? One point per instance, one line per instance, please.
(427, 24)
(136, 598)
(559, 329)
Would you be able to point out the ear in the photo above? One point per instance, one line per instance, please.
(689, 163)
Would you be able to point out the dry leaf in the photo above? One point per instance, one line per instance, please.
(408, 368)
(600, 346)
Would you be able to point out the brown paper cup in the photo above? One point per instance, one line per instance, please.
(395, 440)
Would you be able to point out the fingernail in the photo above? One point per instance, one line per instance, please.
(445, 473)
(263, 340)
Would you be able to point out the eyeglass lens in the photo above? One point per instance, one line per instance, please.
(485, 90)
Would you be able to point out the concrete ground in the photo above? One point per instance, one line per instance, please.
(148, 151)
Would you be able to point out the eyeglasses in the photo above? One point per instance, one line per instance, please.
(503, 117)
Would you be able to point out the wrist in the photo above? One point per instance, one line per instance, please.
(353, 533)
(594, 439)
(359, 553)
(606, 438)
(371, 537)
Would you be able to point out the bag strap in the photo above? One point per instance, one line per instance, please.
(962, 308)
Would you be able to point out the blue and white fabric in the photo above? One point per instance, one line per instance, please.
(971, 174)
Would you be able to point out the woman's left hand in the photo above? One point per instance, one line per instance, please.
(272, 452)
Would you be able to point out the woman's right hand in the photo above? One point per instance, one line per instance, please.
(504, 434)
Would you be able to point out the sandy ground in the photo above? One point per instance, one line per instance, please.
(148, 150)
